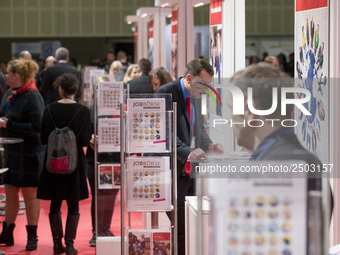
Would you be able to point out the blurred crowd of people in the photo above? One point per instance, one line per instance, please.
(280, 62)
(37, 96)
(55, 85)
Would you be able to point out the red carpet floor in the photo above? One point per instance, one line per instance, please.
(45, 243)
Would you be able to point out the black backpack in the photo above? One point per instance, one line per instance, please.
(62, 152)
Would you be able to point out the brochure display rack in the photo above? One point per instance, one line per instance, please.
(147, 139)
(108, 96)
(148, 184)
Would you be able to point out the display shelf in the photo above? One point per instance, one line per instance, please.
(147, 140)
(108, 96)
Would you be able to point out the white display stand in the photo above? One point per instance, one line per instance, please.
(106, 128)
(105, 245)
(140, 168)
(191, 226)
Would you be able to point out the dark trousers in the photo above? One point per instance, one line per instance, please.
(105, 204)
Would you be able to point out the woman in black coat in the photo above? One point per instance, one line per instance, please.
(21, 109)
(71, 187)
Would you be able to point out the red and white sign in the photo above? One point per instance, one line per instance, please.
(165, 236)
(174, 19)
(151, 28)
(136, 33)
(174, 42)
(215, 12)
(310, 4)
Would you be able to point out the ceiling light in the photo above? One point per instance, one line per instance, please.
(199, 4)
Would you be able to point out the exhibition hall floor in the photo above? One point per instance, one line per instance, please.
(45, 243)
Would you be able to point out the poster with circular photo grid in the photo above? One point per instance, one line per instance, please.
(146, 125)
(148, 182)
(109, 135)
(110, 96)
(263, 218)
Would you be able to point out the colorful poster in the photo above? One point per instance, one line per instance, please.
(105, 177)
(216, 48)
(146, 125)
(139, 241)
(150, 242)
(109, 176)
(108, 134)
(312, 72)
(161, 243)
(109, 96)
(174, 43)
(151, 40)
(258, 216)
(148, 184)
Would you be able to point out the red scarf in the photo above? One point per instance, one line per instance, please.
(28, 86)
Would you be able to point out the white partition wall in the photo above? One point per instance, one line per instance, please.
(141, 25)
(157, 45)
(233, 51)
(334, 113)
(185, 30)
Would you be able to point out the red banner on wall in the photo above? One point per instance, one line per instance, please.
(310, 4)
(174, 19)
(136, 33)
(151, 29)
(215, 12)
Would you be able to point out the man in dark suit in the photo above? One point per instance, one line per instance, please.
(47, 90)
(142, 85)
(192, 138)
(274, 141)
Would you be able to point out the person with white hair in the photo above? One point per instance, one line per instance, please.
(25, 55)
(49, 61)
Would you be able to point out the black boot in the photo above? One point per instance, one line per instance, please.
(57, 232)
(92, 242)
(32, 238)
(6, 235)
(70, 233)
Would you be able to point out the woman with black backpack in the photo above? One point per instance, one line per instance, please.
(71, 187)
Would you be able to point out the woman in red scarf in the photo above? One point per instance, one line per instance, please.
(21, 110)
